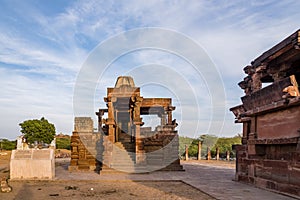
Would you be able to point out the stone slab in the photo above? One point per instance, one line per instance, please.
(32, 164)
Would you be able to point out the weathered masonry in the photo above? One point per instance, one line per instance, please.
(269, 156)
(122, 143)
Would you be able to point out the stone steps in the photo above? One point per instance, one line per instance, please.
(123, 157)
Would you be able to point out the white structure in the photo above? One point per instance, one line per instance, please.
(32, 164)
(21, 143)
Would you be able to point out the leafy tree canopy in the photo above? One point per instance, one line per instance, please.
(38, 130)
(225, 144)
(208, 141)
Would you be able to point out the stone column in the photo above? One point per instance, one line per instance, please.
(199, 149)
(163, 119)
(111, 121)
(169, 117)
(218, 153)
(208, 154)
(138, 122)
(100, 114)
(186, 152)
(228, 155)
(137, 137)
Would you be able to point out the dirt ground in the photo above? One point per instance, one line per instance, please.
(4, 163)
(36, 190)
(67, 189)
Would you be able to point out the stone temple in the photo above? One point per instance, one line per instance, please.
(269, 156)
(121, 142)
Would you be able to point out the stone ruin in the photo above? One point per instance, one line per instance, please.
(269, 156)
(121, 142)
(32, 163)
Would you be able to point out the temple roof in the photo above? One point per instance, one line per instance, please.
(124, 81)
(291, 42)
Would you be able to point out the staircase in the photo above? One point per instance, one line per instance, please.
(123, 156)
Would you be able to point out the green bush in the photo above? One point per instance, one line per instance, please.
(63, 143)
(5, 144)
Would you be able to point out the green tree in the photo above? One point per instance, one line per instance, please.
(207, 141)
(225, 144)
(38, 130)
(182, 142)
(193, 148)
(63, 143)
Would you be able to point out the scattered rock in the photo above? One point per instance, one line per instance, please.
(53, 195)
(109, 191)
(71, 188)
(4, 186)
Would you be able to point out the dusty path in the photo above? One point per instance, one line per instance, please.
(200, 180)
(36, 190)
(213, 178)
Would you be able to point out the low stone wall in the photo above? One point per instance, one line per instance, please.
(162, 150)
(281, 174)
(32, 164)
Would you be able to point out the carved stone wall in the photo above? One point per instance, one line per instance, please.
(83, 145)
(269, 156)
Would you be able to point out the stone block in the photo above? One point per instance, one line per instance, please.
(294, 176)
(263, 172)
(32, 164)
(251, 149)
(83, 124)
(73, 168)
(74, 162)
(83, 162)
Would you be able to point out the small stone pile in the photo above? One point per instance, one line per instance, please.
(4, 186)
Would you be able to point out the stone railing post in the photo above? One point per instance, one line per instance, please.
(218, 153)
(199, 149)
(186, 152)
(208, 154)
(228, 155)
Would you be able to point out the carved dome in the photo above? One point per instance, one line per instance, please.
(124, 81)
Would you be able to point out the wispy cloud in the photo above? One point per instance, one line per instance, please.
(42, 48)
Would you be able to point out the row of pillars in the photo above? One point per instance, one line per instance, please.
(208, 157)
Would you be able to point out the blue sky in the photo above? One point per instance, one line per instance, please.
(44, 44)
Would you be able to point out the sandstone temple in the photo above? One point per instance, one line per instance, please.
(122, 143)
(269, 156)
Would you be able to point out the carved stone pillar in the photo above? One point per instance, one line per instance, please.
(228, 155)
(208, 154)
(199, 149)
(217, 153)
(186, 152)
(163, 121)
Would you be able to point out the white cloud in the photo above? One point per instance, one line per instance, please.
(42, 53)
